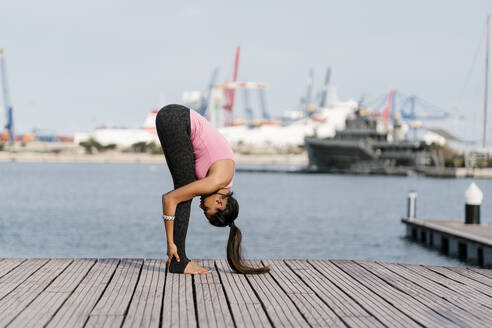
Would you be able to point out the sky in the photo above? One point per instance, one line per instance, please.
(76, 65)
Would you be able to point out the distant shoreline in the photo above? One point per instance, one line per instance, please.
(295, 159)
(118, 157)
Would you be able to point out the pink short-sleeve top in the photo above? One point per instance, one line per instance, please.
(209, 145)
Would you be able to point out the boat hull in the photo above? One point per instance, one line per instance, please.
(332, 155)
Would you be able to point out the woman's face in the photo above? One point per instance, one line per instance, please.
(210, 204)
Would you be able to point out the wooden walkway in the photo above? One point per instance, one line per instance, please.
(469, 242)
(297, 293)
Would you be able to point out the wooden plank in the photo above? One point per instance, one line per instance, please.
(407, 304)
(111, 308)
(179, 306)
(484, 272)
(346, 308)
(211, 301)
(460, 289)
(431, 295)
(245, 306)
(75, 311)
(7, 265)
(371, 301)
(313, 309)
(472, 275)
(16, 301)
(145, 308)
(463, 279)
(426, 313)
(279, 307)
(49, 301)
(458, 298)
(18, 275)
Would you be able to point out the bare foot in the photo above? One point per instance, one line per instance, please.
(193, 268)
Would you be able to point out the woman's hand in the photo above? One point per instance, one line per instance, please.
(172, 250)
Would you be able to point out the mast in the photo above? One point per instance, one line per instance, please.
(484, 142)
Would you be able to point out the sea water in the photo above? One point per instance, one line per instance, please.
(114, 210)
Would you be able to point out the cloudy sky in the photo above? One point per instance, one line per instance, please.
(75, 65)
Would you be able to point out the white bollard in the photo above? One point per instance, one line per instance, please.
(473, 200)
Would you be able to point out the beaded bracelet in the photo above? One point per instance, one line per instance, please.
(168, 217)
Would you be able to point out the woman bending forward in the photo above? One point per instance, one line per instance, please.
(201, 164)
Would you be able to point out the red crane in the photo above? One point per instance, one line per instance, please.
(387, 108)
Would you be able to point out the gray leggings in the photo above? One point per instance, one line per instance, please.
(173, 127)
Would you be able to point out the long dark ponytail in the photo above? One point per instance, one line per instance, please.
(224, 218)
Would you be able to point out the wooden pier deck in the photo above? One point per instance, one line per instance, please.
(297, 293)
(468, 242)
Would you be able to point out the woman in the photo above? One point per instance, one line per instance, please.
(201, 164)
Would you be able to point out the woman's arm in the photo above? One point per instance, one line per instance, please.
(168, 224)
(172, 250)
(203, 186)
(219, 175)
(173, 198)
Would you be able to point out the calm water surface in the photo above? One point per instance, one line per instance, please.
(114, 210)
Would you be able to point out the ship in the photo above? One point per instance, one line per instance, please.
(367, 146)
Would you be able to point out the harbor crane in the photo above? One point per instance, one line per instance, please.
(324, 92)
(9, 126)
(205, 97)
(310, 105)
(247, 103)
(396, 101)
(306, 105)
(245, 86)
(228, 90)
